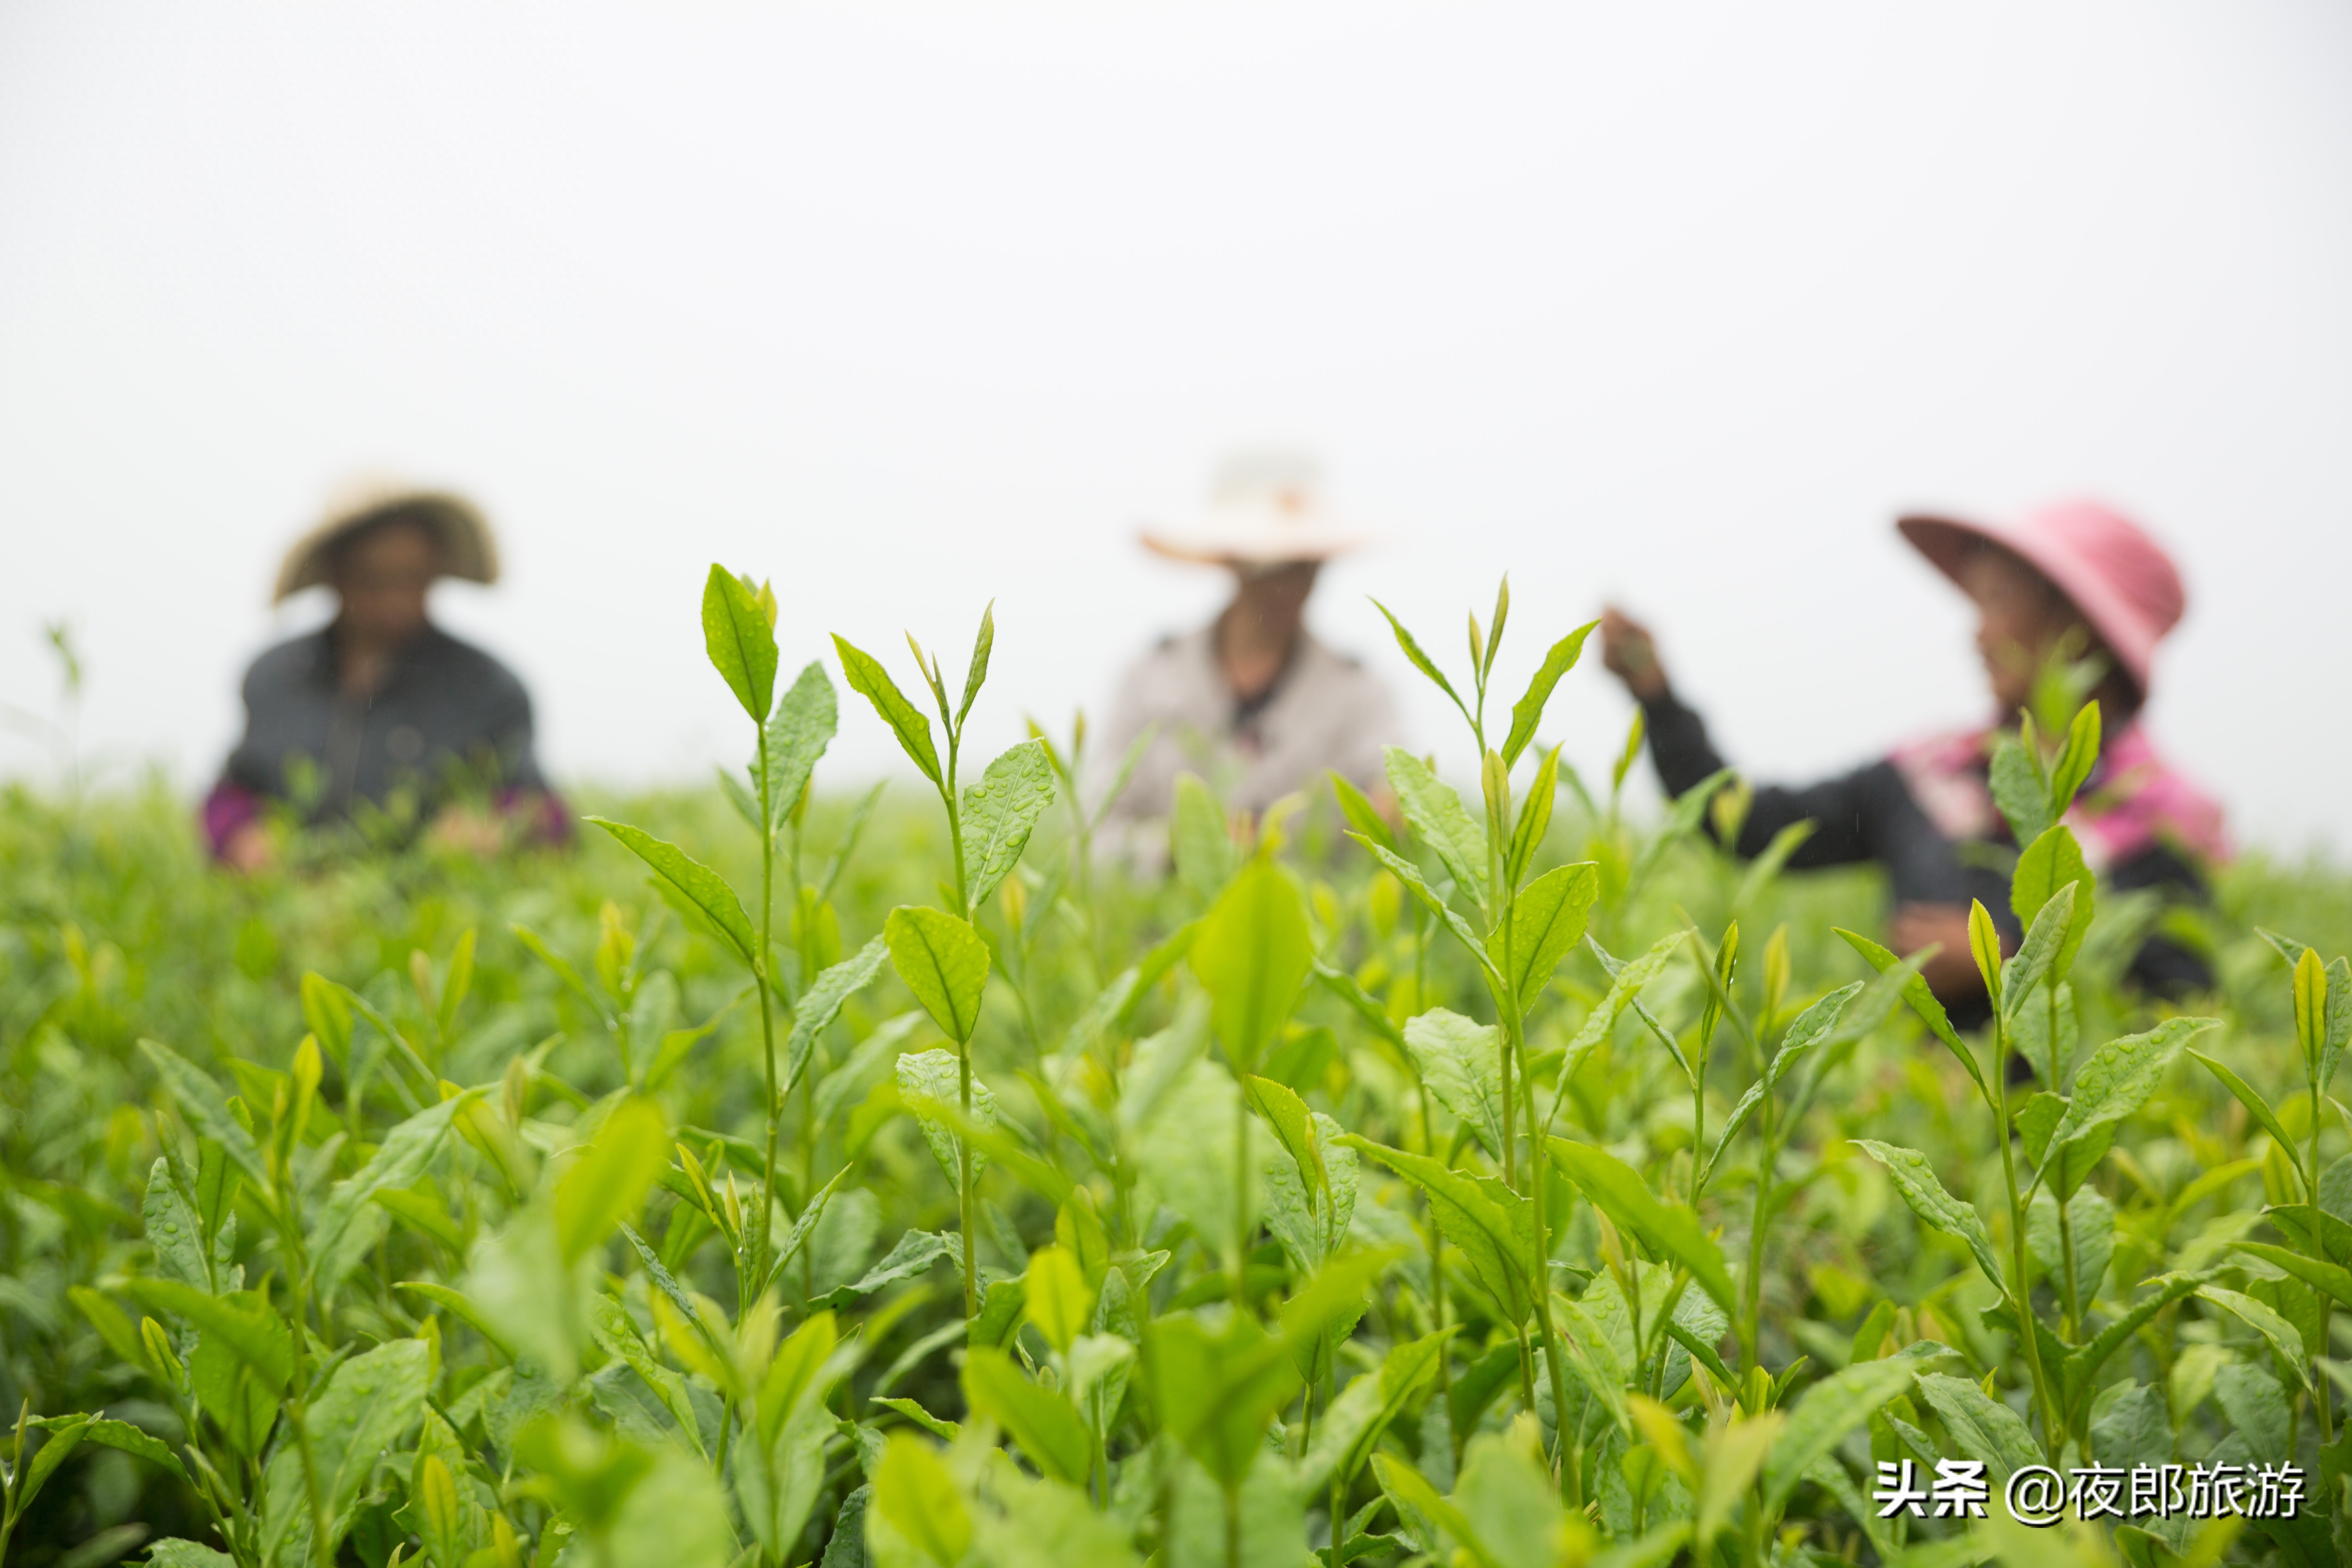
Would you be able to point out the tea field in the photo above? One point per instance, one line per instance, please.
(785, 1176)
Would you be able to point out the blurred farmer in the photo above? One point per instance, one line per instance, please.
(2074, 581)
(1252, 702)
(381, 708)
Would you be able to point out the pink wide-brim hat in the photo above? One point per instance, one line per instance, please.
(2121, 580)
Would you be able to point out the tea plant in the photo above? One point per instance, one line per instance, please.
(1464, 1189)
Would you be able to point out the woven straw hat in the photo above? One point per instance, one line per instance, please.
(468, 550)
(2119, 578)
(1265, 508)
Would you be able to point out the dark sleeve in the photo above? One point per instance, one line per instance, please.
(2164, 967)
(248, 769)
(1848, 813)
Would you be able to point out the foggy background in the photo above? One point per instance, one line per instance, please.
(911, 306)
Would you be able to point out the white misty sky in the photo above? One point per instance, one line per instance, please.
(911, 306)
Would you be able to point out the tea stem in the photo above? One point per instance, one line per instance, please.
(760, 978)
(964, 1186)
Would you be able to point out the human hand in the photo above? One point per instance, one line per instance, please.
(1951, 974)
(1628, 653)
(251, 849)
(467, 830)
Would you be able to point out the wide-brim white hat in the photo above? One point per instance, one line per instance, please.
(468, 549)
(1266, 508)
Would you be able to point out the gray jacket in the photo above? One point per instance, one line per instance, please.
(1325, 710)
(444, 707)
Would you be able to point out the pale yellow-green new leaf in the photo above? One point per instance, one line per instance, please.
(1734, 1455)
(915, 1495)
(608, 1182)
(1058, 1300)
(1252, 953)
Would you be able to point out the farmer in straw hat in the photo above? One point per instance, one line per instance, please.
(380, 710)
(1252, 702)
(2077, 584)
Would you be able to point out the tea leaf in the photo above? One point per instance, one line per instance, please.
(1057, 1299)
(1199, 839)
(328, 1016)
(821, 1002)
(912, 1254)
(2311, 1008)
(1547, 921)
(1042, 1421)
(976, 674)
(1440, 820)
(1252, 954)
(1366, 1006)
(173, 1230)
(692, 886)
(1829, 1409)
(2075, 760)
(915, 1496)
(1507, 1497)
(1938, 1209)
(1493, 1225)
(63, 1441)
(1734, 1456)
(126, 1438)
(2052, 862)
(1353, 1422)
(2333, 1278)
(1293, 1127)
(366, 1405)
(404, 1156)
(1360, 814)
(1682, 820)
(740, 642)
(1527, 712)
(1981, 1428)
(866, 677)
(1635, 732)
(1923, 1002)
(999, 812)
(2113, 1084)
(201, 1101)
(1421, 661)
(2037, 955)
(173, 1553)
(943, 962)
(1419, 1505)
(1461, 1062)
(1592, 1353)
(1671, 1231)
(2092, 1218)
(1535, 819)
(462, 1307)
(2284, 1340)
(1405, 871)
(2253, 1102)
(2037, 1120)
(1984, 947)
(256, 1336)
(608, 1183)
(1218, 1389)
(1809, 1027)
(1628, 984)
(795, 736)
(2019, 790)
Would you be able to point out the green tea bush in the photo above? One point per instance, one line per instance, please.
(779, 1179)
